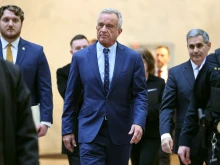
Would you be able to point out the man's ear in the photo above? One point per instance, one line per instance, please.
(119, 31)
(209, 45)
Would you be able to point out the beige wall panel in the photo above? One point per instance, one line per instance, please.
(52, 23)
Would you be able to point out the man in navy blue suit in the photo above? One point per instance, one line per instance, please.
(114, 108)
(31, 60)
(178, 94)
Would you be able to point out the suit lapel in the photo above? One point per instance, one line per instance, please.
(188, 73)
(21, 51)
(119, 61)
(92, 56)
(1, 54)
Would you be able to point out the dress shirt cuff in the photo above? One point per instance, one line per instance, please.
(46, 123)
(165, 135)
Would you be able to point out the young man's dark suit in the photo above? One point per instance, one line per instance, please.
(128, 79)
(33, 64)
(176, 99)
(206, 79)
(145, 152)
(18, 136)
(62, 78)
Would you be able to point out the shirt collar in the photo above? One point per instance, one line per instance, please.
(5, 43)
(111, 48)
(164, 68)
(194, 66)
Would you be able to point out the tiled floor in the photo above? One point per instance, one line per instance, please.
(63, 161)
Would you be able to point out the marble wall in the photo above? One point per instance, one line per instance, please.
(52, 23)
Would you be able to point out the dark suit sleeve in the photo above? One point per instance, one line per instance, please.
(73, 92)
(62, 79)
(190, 126)
(44, 89)
(26, 136)
(139, 91)
(168, 105)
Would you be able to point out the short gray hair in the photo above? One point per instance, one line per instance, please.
(110, 11)
(197, 32)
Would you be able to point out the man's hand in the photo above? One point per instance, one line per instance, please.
(167, 145)
(69, 142)
(42, 130)
(184, 153)
(137, 131)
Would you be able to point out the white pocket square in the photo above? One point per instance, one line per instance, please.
(151, 90)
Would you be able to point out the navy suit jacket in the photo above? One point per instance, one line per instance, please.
(176, 99)
(34, 66)
(128, 82)
(62, 78)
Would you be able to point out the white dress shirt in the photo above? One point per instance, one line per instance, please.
(197, 68)
(164, 72)
(101, 60)
(14, 48)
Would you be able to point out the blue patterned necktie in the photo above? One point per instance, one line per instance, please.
(106, 76)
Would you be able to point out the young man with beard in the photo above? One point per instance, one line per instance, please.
(31, 60)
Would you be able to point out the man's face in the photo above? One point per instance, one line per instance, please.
(10, 26)
(107, 29)
(78, 45)
(162, 57)
(197, 49)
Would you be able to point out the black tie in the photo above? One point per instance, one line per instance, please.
(106, 76)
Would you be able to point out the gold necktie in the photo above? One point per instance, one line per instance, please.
(9, 53)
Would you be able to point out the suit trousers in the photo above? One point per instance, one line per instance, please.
(163, 158)
(102, 151)
(145, 152)
(73, 159)
(199, 158)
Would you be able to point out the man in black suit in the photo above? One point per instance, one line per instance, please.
(18, 136)
(206, 98)
(178, 94)
(77, 43)
(162, 58)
